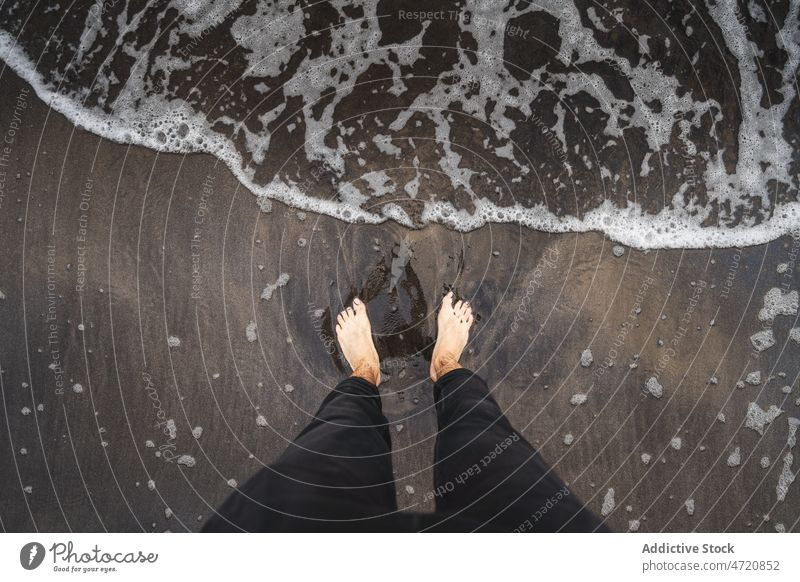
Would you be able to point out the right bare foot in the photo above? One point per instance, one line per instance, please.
(453, 325)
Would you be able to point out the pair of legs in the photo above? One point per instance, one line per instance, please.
(337, 474)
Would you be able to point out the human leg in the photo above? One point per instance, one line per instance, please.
(484, 469)
(339, 468)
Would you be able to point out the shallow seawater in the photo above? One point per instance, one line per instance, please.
(664, 125)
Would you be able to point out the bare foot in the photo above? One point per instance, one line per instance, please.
(453, 332)
(355, 338)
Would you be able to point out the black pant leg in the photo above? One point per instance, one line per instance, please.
(337, 472)
(486, 471)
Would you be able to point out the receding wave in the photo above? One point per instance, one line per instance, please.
(661, 124)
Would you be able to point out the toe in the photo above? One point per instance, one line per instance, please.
(350, 312)
(341, 318)
(358, 305)
(338, 328)
(465, 309)
(470, 319)
(457, 307)
(447, 300)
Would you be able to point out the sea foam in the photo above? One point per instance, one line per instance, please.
(295, 75)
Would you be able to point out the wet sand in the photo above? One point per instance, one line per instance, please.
(110, 250)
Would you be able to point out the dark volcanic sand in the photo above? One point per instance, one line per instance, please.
(87, 461)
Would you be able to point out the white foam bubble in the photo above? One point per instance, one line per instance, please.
(735, 458)
(608, 503)
(654, 387)
(757, 418)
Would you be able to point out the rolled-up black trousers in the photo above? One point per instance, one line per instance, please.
(337, 474)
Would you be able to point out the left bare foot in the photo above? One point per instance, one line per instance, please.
(355, 338)
(452, 333)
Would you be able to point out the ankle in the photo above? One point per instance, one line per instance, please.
(368, 371)
(441, 365)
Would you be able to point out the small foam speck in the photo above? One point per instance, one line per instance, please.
(757, 418)
(187, 460)
(786, 477)
(735, 458)
(654, 388)
(753, 378)
(791, 440)
(270, 289)
(250, 332)
(776, 303)
(577, 399)
(608, 503)
(763, 340)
